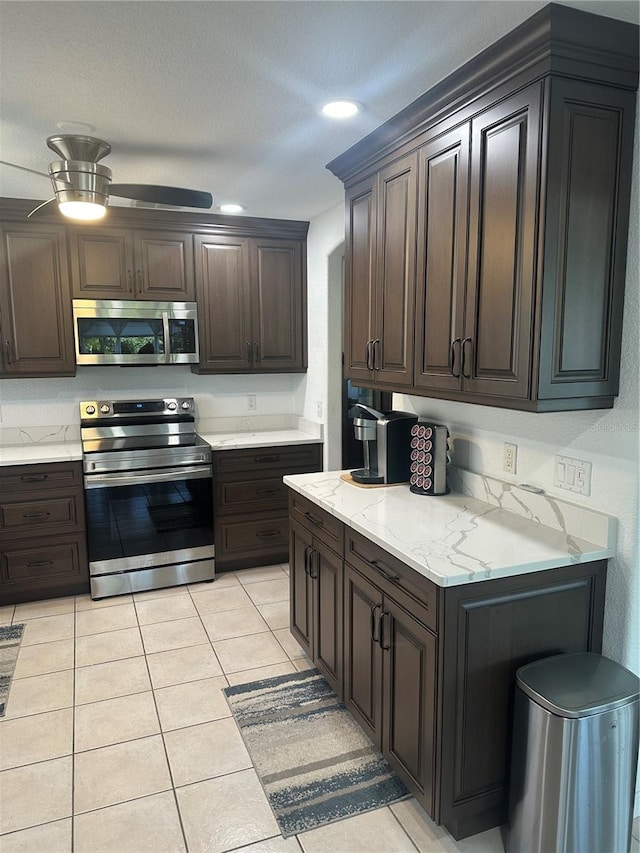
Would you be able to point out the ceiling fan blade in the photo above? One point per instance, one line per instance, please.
(37, 210)
(153, 194)
(24, 168)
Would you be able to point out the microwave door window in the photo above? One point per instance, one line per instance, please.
(111, 336)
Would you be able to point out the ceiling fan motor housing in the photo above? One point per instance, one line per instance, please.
(80, 180)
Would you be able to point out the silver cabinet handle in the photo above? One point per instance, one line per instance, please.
(256, 350)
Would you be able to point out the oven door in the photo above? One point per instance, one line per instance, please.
(120, 332)
(138, 520)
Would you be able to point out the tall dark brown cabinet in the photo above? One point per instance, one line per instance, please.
(381, 258)
(35, 302)
(501, 197)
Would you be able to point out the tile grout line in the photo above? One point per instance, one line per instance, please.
(164, 743)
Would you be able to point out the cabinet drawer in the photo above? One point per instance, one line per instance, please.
(36, 478)
(53, 566)
(417, 594)
(250, 495)
(54, 514)
(322, 524)
(298, 458)
(245, 535)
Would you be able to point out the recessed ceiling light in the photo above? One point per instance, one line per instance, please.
(340, 109)
(231, 208)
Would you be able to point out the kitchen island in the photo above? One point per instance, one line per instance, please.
(419, 610)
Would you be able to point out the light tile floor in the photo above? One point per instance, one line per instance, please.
(117, 736)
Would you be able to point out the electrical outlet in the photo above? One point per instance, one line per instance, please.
(319, 408)
(574, 475)
(252, 405)
(510, 460)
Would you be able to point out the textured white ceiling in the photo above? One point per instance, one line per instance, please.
(224, 96)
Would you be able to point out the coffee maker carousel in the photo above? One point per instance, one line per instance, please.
(386, 438)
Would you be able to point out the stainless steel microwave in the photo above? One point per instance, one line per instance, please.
(135, 333)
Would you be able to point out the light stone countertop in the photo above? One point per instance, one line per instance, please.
(66, 451)
(40, 452)
(268, 438)
(461, 538)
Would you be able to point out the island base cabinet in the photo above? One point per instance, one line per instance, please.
(390, 682)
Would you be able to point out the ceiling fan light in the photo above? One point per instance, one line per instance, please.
(85, 211)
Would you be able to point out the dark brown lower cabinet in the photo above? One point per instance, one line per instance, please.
(316, 583)
(429, 671)
(251, 521)
(43, 549)
(390, 680)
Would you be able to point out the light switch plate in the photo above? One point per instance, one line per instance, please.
(574, 475)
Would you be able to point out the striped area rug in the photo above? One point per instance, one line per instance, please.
(10, 639)
(315, 763)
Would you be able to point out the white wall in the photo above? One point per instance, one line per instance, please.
(324, 375)
(41, 406)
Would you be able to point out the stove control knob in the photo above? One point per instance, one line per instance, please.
(90, 410)
(172, 406)
(105, 409)
(185, 404)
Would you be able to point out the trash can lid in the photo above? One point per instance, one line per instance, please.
(578, 685)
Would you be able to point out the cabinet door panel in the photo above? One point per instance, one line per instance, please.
(362, 655)
(102, 264)
(164, 266)
(395, 259)
(35, 305)
(360, 279)
(328, 614)
(502, 242)
(224, 304)
(300, 589)
(409, 663)
(492, 632)
(441, 262)
(278, 305)
(586, 223)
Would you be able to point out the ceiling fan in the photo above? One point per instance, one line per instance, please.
(82, 185)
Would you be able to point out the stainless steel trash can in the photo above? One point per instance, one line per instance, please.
(574, 756)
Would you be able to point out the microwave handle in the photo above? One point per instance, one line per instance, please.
(167, 340)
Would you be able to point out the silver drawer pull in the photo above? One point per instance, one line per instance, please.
(37, 564)
(35, 514)
(268, 534)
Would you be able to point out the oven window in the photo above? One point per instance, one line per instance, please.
(113, 336)
(128, 521)
(182, 334)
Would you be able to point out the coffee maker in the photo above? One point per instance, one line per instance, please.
(386, 438)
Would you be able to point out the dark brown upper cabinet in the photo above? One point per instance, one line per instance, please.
(381, 271)
(251, 295)
(112, 263)
(35, 303)
(524, 160)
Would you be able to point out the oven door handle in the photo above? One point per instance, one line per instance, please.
(134, 478)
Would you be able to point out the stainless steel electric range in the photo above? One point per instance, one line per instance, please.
(148, 495)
